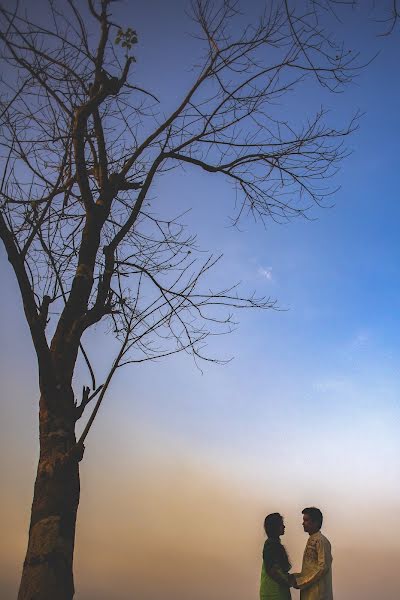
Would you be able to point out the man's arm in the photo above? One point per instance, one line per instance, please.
(322, 565)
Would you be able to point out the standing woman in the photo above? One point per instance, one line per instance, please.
(276, 566)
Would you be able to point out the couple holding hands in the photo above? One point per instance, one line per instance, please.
(315, 579)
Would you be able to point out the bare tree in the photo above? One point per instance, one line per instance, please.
(82, 147)
(391, 17)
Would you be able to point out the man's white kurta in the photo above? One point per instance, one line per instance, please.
(315, 579)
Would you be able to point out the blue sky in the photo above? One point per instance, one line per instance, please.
(307, 412)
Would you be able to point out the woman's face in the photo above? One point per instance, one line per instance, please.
(282, 528)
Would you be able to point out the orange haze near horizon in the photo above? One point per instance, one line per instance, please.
(167, 524)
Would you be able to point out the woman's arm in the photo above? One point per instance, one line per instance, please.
(272, 564)
(276, 573)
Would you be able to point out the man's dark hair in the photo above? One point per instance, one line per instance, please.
(315, 515)
(272, 525)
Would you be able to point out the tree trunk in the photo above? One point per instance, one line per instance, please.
(47, 571)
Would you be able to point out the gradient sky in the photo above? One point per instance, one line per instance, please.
(182, 466)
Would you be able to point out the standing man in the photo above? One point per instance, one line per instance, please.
(315, 579)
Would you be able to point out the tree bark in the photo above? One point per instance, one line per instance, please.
(47, 570)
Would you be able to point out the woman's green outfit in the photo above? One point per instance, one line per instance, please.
(274, 583)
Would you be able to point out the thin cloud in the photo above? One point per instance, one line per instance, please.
(265, 272)
(361, 339)
(331, 385)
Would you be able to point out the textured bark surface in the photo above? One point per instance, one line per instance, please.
(47, 571)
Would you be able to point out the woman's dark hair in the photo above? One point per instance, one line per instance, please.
(274, 552)
(315, 515)
(273, 524)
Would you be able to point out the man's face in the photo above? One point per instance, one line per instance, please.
(309, 525)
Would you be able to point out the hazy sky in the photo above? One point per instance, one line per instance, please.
(182, 466)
